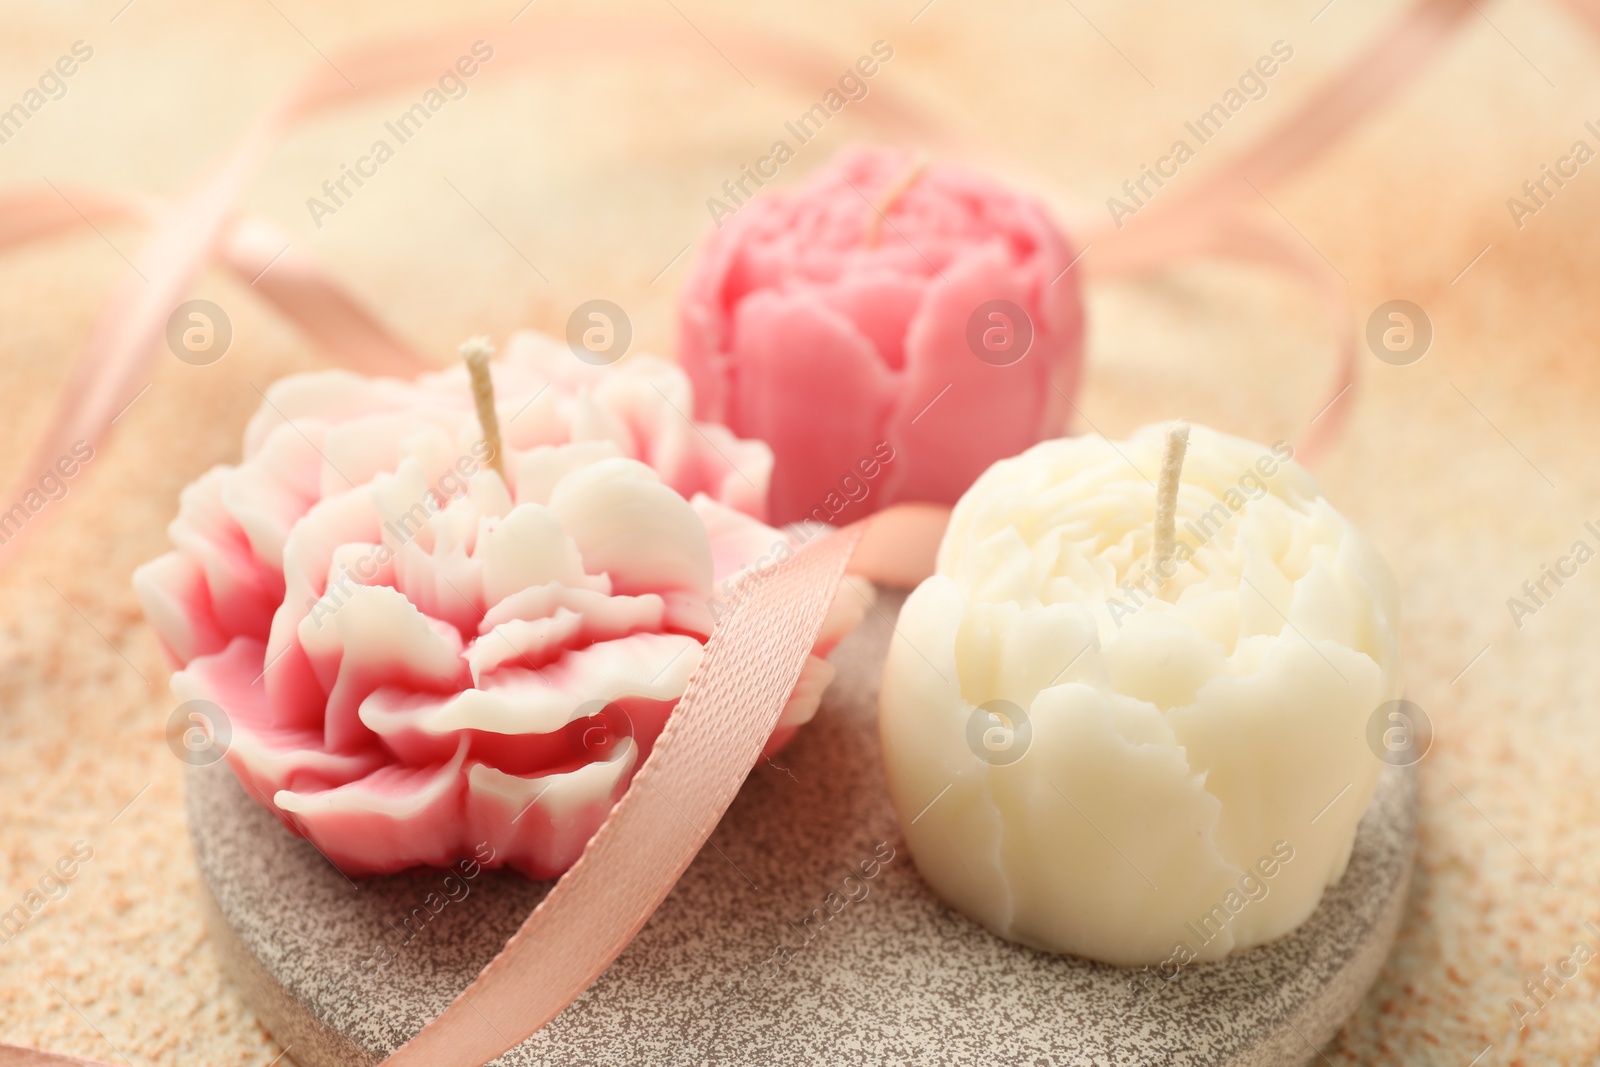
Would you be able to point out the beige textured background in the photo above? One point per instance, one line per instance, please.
(1470, 468)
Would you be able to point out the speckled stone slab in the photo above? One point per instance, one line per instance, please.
(895, 977)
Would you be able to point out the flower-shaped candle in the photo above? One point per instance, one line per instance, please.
(1129, 723)
(424, 640)
(889, 329)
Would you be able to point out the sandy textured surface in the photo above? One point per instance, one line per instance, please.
(1470, 468)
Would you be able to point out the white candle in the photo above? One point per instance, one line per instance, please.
(1140, 762)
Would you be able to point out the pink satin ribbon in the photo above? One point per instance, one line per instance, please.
(712, 741)
(755, 654)
(1222, 213)
(12, 1056)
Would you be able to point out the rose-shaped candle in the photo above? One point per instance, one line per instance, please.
(889, 329)
(1139, 748)
(424, 640)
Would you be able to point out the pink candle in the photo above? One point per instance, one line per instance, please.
(426, 620)
(890, 330)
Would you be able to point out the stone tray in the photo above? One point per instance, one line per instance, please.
(894, 978)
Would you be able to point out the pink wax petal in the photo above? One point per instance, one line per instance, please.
(532, 643)
(267, 498)
(526, 707)
(540, 823)
(598, 607)
(882, 304)
(956, 411)
(811, 386)
(376, 638)
(243, 589)
(266, 754)
(394, 818)
(173, 592)
(629, 526)
(737, 541)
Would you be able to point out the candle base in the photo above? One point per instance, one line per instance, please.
(805, 935)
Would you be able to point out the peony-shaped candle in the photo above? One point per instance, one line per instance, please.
(436, 614)
(1127, 717)
(890, 329)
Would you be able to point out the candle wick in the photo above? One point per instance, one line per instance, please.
(889, 197)
(1166, 532)
(475, 351)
